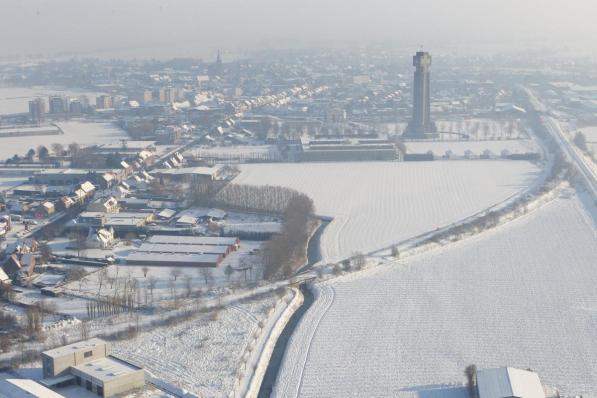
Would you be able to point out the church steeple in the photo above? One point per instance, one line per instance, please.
(218, 67)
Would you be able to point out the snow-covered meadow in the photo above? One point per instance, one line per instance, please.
(81, 132)
(377, 204)
(459, 148)
(521, 295)
(204, 355)
(476, 129)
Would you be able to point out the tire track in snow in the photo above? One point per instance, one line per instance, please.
(299, 346)
(245, 313)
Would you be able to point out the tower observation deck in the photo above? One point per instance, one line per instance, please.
(421, 125)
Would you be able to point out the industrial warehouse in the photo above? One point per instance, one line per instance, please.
(347, 149)
(191, 251)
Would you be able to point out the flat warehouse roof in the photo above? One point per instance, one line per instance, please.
(174, 258)
(174, 248)
(106, 369)
(189, 170)
(192, 240)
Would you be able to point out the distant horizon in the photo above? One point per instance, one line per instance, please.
(233, 53)
(42, 29)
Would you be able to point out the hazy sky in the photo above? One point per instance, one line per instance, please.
(196, 27)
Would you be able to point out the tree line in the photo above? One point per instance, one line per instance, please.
(270, 198)
(285, 251)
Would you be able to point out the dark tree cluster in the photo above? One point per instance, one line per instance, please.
(87, 158)
(204, 194)
(284, 252)
(269, 198)
(581, 141)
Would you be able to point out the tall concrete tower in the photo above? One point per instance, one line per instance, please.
(421, 125)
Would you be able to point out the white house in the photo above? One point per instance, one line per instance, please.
(104, 205)
(100, 239)
(509, 383)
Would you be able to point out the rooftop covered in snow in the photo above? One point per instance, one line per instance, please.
(509, 382)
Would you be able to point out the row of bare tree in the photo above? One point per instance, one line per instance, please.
(111, 305)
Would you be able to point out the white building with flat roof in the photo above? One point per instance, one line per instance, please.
(89, 364)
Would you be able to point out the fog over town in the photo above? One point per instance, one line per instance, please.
(317, 198)
(180, 28)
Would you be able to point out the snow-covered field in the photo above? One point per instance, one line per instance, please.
(458, 148)
(16, 99)
(521, 295)
(477, 129)
(377, 204)
(484, 128)
(203, 355)
(83, 133)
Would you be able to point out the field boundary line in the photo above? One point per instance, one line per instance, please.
(267, 346)
(332, 291)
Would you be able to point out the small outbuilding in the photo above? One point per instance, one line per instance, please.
(508, 383)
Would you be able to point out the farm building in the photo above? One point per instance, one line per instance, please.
(166, 214)
(509, 383)
(18, 262)
(194, 240)
(197, 251)
(90, 365)
(91, 218)
(174, 259)
(29, 190)
(210, 214)
(186, 220)
(187, 249)
(120, 222)
(188, 174)
(127, 222)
